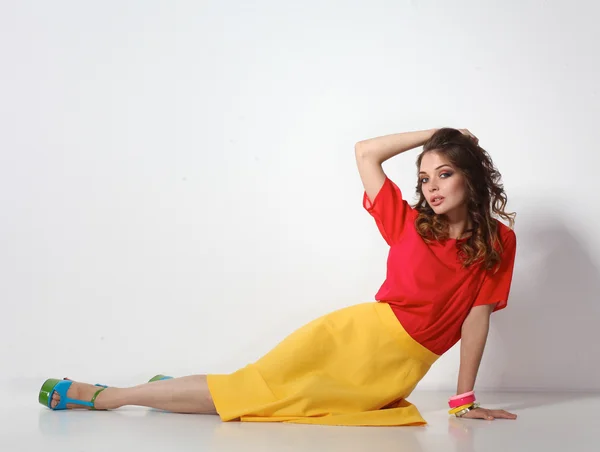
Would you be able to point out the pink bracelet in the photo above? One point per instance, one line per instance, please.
(460, 396)
(461, 399)
(459, 402)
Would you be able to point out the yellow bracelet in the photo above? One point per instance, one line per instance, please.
(466, 410)
(459, 408)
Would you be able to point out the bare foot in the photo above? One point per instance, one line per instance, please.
(84, 392)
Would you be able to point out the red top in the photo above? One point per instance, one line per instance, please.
(426, 286)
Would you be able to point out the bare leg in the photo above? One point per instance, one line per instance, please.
(179, 395)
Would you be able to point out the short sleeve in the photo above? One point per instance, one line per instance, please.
(496, 286)
(390, 211)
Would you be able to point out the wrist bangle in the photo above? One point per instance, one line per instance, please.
(461, 413)
(462, 401)
(459, 408)
(460, 396)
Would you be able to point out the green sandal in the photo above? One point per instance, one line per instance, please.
(159, 377)
(61, 387)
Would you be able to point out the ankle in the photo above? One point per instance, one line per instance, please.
(109, 399)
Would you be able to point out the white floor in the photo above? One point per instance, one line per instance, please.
(547, 422)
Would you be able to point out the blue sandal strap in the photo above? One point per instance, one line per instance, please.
(62, 388)
(73, 401)
(90, 404)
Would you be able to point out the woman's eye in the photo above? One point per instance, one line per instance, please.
(423, 180)
(446, 174)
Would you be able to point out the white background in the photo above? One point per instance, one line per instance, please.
(178, 188)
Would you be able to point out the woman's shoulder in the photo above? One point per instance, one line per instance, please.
(507, 235)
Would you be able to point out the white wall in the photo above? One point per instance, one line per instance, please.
(179, 191)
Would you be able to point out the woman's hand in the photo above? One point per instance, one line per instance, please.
(470, 135)
(483, 413)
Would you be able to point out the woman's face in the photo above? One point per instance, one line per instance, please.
(443, 186)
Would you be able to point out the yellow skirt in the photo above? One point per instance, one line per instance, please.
(354, 366)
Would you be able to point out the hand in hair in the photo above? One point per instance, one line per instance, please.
(469, 134)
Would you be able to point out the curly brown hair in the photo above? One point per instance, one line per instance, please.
(485, 196)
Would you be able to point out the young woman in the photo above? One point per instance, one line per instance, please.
(449, 267)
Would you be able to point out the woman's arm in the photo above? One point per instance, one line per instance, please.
(371, 153)
(474, 335)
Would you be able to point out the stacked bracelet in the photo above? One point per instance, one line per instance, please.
(461, 413)
(459, 408)
(461, 399)
(462, 403)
